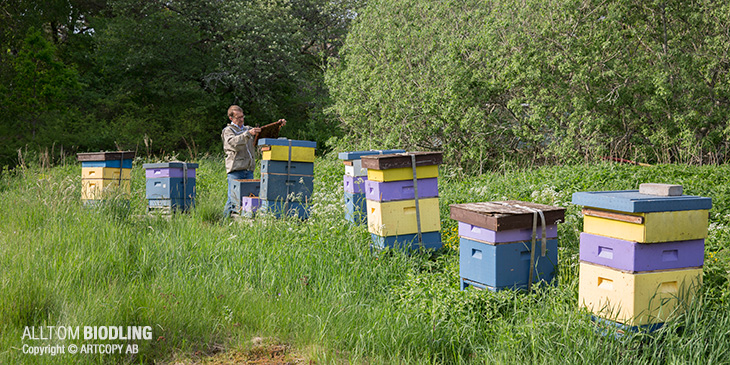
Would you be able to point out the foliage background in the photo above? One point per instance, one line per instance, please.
(553, 81)
(488, 83)
(158, 76)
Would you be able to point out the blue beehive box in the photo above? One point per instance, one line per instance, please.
(281, 208)
(170, 188)
(430, 240)
(170, 169)
(246, 187)
(607, 327)
(355, 207)
(125, 164)
(172, 204)
(276, 187)
(282, 167)
(285, 142)
(504, 266)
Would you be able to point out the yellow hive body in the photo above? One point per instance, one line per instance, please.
(671, 226)
(281, 153)
(105, 173)
(636, 299)
(403, 173)
(95, 189)
(399, 217)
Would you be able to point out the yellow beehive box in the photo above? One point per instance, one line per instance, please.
(281, 153)
(403, 173)
(95, 189)
(399, 217)
(649, 297)
(682, 225)
(105, 173)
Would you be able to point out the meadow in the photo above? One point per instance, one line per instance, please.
(208, 285)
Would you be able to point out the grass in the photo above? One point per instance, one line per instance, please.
(206, 284)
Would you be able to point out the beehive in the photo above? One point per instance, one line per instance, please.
(402, 199)
(170, 186)
(641, 253)
(287, 176)
(105, 175)
(495, 243)
(353, 182)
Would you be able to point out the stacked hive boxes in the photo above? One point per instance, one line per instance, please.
(354, 183)
(246, 192)
(502, 243)
(170, 185)
(287, 176)
(641, 253)
(402, 199)
(105, 174)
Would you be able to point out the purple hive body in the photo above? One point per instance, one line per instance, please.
(514, 235)
(250, 204)
(400, 190)
(354, 184)
(168, 172)
(635, 257)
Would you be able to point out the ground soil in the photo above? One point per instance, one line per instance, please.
(261, 353)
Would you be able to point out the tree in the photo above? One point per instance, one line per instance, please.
(562, 80)
(36, 98)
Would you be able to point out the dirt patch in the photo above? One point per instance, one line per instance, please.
(262, 353)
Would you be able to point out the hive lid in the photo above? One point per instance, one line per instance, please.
(285, 142)
(356, 155)
(631, 201)
(399, 160)
(171, 165)
(505, 215)
(105, 156)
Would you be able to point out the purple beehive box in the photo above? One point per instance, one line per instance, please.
(636, 257)
(513, 235)
(400, 190)
(250, 203)
(354, 184)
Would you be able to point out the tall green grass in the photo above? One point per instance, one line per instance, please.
(206, 284)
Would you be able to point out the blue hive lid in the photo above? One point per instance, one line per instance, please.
(632, 201)
(285, 142)
(171, 165)
(356, 155)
